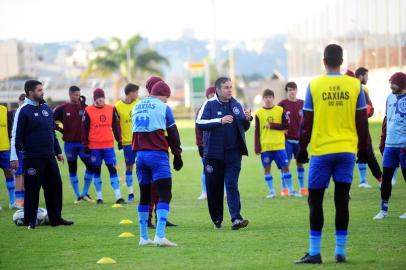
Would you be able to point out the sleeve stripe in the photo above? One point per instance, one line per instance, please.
(13, 152)
(199, 119)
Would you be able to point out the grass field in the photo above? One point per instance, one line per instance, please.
(276, 236)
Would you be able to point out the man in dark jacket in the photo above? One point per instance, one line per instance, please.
(225, 123)
(33, 132)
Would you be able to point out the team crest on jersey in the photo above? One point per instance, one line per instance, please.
(31, 171)
(103, 118)
(209, 168)
(45, 113)
(401, 107)
(236, 110)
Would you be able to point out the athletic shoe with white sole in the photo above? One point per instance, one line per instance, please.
(295, 194)
(163, 242)
(271, 195)
(202, 196)
(146, 242)
(364, 185)
(13, 206)
(381, 215)
(403, 216)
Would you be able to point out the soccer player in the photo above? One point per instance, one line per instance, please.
(100, 122)
(210, 92)
(362, 74)
(70, 116)
(5, 131)
(151, 118)
(393, 140)
(270, 125)
(18, 174)
(293, 108)
(336, 125)
(124, 109)
(33, 132)
(224, 123)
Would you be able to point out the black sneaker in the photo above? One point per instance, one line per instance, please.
(316, 259)
(170, 224)
(99, 201)
(217, 225)
(66, 222)
(341, 259)
(150, 225)
(121, 201)
(31, 226)
(239, 224)
(130, 197)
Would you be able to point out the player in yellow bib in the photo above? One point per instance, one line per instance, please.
(336, 126)
(124, 109)
(270, 125)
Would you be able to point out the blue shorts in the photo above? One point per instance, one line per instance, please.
(107, 154)
(292, 149)
(129, 155)
(279, 156)
(5, 159)
(340, 166)
(20, 168)
(73, 150)
(152, 166)
(392, 157)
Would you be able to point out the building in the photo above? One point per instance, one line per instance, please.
(17, 58)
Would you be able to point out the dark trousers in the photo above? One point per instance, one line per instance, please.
(217, 173)
(42, 173)
(373, 163)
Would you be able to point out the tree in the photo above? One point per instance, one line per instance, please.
(125, 62)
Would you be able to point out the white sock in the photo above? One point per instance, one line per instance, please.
(117, 193)
(100, 195)
(130, 190)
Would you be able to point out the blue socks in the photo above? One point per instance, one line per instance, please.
(87, 181)
(283, 181)
(204, 183)
(115, 184)
(129, 178)
(98, 186)
(341, 241)
(11, 188)
(300, 176)
(143, 219)
(314, 242)
(384, 205)
(75, 184)
(19, 196)
(362, 169)
(162, 212)
(269, 182)
(287, 178)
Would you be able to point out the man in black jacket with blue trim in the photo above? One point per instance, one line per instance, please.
(224, 123)
(33, 133)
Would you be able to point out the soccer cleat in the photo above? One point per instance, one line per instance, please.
(341, 259)
(163, 242)
(304, 192)
(145, 242)
(217, 225)
(239, 224)
(295, 194)
(307, 258)
(403, 216)
(284, 192)
(271, 195)
(87, 198)
(121, 201)
(170, 224)
(381, 215)
(31, 227)
(79, 199)
(203, 196)
(364, 185)
(99, 201)
(130, 197)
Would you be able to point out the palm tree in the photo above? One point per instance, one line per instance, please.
(125, 62)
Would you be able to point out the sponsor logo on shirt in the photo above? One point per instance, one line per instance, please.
(35, 114)
(45, 113)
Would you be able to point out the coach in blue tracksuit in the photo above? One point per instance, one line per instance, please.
(33, 133)
(224, 123)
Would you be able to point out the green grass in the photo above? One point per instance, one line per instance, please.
(276, 236)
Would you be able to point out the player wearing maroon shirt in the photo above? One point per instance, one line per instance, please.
(293, 108)
(70, 116)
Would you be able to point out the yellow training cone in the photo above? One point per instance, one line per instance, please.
(106, 260)
(126, 234)
(116, 205)
(126, 221)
